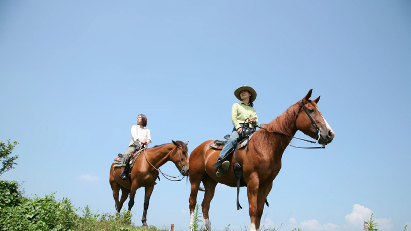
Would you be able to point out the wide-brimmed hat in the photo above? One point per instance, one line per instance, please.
(247, 88)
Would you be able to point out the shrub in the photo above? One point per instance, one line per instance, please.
(10, 195)
(39, 214)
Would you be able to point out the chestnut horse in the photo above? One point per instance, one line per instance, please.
(261, 163)
(144, 173)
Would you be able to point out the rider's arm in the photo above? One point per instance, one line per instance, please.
(148, 136)
(134, 132)
(236, 123)
(255, 116)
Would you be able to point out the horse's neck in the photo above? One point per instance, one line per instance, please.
(283, 124)
(160, 156)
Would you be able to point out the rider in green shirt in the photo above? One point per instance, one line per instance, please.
(242, 112)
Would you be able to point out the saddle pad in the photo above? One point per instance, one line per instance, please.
(117, 161)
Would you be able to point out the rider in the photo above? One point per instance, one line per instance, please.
(140, 137)
(239, 113)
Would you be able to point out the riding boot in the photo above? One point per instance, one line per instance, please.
(123, 174)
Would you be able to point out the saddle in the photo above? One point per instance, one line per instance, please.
(133, 157)
(219, 144)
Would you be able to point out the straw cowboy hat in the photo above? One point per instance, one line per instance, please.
(247, 88)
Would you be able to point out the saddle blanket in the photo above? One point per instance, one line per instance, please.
(117, 161)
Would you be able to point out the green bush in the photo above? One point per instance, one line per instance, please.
(23, 213)
(10, 195)
(39, 214)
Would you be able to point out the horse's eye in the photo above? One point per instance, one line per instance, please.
(311, 110)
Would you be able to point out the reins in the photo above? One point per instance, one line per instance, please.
(302, 105)
(165, 175)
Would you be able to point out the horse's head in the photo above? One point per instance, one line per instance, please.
(180, 157)
(311, 122)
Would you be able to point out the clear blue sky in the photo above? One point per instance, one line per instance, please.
(74, 75)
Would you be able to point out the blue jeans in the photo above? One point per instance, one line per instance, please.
(231, 143)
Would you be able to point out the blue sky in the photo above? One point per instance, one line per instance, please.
(74, 75)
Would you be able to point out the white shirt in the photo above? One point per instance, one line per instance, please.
(139, 133)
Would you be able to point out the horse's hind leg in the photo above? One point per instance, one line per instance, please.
(124, 195)
(209, 186)
(116, 188)
(149, 191)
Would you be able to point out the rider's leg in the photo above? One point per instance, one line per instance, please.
(229, 145)
(126, 157)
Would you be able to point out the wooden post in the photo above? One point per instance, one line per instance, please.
(172, 227)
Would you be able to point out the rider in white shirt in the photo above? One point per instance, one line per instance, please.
(140, 137)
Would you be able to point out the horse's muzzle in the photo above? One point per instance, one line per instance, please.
(184, 171)
(326, 138)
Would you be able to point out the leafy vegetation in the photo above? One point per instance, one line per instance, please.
(23, 213)
(371, 224)
(5, 151)
(39, 214)
(10, 194)
(197, 219)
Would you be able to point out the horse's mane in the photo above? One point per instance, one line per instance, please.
(159, 145)
(265, 136)
(177, 141)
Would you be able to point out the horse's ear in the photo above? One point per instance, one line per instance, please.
(317, 99)
(307, 97)
(186, 143)
(177, 144)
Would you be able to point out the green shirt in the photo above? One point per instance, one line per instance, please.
(240, 112)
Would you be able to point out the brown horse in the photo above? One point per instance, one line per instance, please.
(261, 163)
(144, 173)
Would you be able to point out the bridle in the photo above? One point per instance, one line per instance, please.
(166, 175)
(318, 129)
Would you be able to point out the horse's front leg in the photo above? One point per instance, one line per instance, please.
(124, 195)
(149, 191)
(252, 193)
(263, 192)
